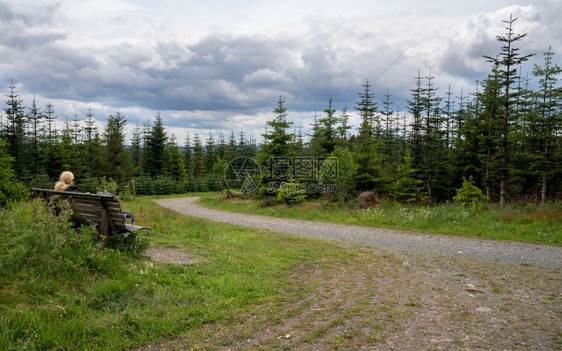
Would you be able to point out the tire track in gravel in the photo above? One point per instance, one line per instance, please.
(490, 250)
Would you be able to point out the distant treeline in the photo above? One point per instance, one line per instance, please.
(505, 137)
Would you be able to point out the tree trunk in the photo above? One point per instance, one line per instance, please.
(503, 193)
(487, 179)
(543, 188)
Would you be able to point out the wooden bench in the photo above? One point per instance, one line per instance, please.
(104, 210)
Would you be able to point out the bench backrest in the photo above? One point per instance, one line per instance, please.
(101, 209)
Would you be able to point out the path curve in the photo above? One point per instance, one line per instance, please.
(514, 252)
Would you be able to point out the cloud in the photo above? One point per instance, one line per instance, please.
(118, 54)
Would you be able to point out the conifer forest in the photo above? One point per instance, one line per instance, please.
(505, 137)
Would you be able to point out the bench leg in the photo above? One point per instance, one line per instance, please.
(104, 224)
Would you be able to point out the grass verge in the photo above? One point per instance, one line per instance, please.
(86, 297)
(530, 223)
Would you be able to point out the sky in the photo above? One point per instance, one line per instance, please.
(221, 66)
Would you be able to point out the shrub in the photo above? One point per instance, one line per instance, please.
(291, 193)
(88, 185)
(126, 193)
(164, 186)
(470, 194)
(143, 186)
(406, 188)
(10, 190)
(107, 186)
(34, 241)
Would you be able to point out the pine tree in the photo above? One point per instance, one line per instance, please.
(117, 162)
(174, 161)
(278, 139)
(448, 110)
(415, 107)
(211, 152)
(199, 169)
(96, 156)
(92, 145)
(155, 148)
(14, 132)
(327, 135)
(231, 147)
(76, 129)
(35, 118)
(547, 123)
(433, 143)
(278, 146)
(136, 151)
(66, 151)
(368, 176)
(188, 156)
(313, 145)
(50, 117)
(388, 135)
(90, 128)
(366, 108)
(10, 189)
(508, 61)
(485, 129)
(344, 126)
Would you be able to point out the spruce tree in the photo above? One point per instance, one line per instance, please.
(10, 189)
(174, 161)
(199, 169)
(327, 135)
(14, 131)
(415, 107)
(278, 149)
(211, 152)
(136, 151)
(117, 163)
(508, 61)
(50, 117)
(388, 135)
(155, 148)
(35, 118)
(547, 123)
(366, 107)
(188, 156)
(344, 126)
(368, 175)
(231, 147)
(433, 142)
(278, 139)
(482, 134)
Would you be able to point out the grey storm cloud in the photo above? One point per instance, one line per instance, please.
(246, 72)
(23, 31)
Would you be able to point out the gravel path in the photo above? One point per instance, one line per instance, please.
(541, 255)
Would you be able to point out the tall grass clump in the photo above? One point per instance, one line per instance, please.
(37, 242)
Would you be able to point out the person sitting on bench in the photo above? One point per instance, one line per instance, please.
(66, 181)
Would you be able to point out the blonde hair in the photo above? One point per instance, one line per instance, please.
(66, 179)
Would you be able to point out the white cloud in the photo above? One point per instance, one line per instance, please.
(227, 63)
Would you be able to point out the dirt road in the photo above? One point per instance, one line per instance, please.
(489, 250)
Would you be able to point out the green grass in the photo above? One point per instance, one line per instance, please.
(530, 223)
(91, 298)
